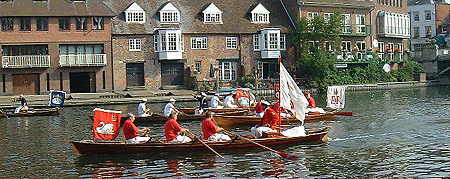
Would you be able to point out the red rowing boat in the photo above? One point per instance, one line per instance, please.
(89, 147)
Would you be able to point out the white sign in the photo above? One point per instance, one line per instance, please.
(271, 54)
(336, 97)
(341, 65)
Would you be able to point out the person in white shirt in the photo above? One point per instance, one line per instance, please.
(215, 102)
(142, 109)
(229, 101)
(169, 108)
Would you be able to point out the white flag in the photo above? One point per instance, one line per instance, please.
(336, 97)
(290, 92)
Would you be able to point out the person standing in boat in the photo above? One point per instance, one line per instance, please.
(268, 123)
(142, 109)
(23, 105)
(170, 108)
(131, 132)
(172, 128)
(259, 109)
(229, 101)
(215, 102)
(211, 130)
(203, 106)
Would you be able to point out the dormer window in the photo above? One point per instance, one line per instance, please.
(260, 14)
(169, 14)
(212, 15)
(135, 14)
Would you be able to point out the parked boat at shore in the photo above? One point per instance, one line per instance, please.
(30, 113)
(214, 110)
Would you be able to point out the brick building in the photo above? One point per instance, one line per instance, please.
(161, 43)
(381, 25)
(55, 45)
(443, 18)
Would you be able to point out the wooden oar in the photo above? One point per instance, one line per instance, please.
(344, 113)
(283, 154)
(206, 145)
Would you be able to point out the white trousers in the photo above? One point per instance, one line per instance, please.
(219, 137)
(260, 114)
(295, 132)
(257, 132)
(218, 107)
(138, 140)
(144, 115)
(181, 139)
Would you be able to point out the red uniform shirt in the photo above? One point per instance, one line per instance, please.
(312, 102)
(208, 128)
(270, 117)
(130, 130)
(258, 108)
(171, 129)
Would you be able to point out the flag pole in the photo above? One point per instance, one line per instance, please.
(279, 94)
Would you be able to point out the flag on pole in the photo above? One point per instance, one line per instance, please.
(57, 98)
(106, 125)
(291, 97)
(336, 97)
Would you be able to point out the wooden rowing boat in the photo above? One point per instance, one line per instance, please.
(159, 118)
(89, 147)
(227, 121)
(214, 110)
(40, 112)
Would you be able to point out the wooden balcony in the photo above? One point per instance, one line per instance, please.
(26, 61)
(82, 60)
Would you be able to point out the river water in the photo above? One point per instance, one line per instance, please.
(393, 133)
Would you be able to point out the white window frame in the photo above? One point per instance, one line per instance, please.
(391, 53)
(283, 41)
(155, 42)
(273, 41)
(400, 51)
(347, 23)
(199, 42)
(381, 50)
(360, 23)
(135, 44)
(198, 66)
(169, 17)
(231, 71)
(231, 42)
(427, 12)
(256, 44)
(311, 16)
(362, 46)
(135, 17)
(327, 16)
(98, 23)
(212, 18)
(262, 18)
(170, 41)
(346, 46)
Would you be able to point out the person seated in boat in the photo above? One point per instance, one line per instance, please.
(203, 106)
(268, 122)
(142, 109)
(211, 130)
(229, 101)
(23, 105)
(131, 132)
(312, 108)
(172, 130)
(215, 102)
(259, 109)
(278, 109)
(170, 108)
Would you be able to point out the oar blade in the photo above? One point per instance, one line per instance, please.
(288, 156)
(344, 113)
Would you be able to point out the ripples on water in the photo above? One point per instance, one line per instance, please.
(397, 133)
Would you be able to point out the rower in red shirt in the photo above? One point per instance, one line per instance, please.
(311, 101)
(258, 108)
(268, 122)
(172, 128)
(131, 132)
(210, 130)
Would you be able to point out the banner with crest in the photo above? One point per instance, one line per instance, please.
(106, 125)
(336, 97)
(57, 98)
(242, 97)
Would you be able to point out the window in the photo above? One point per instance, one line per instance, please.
(198, 65)
(283, 41)
(390, 51)
(81, 49)
(170, 17)
(346, 46)
(273, 41)
(443, 29)
(327, 16)
(25, 24)
(98, 23)
(361, 45)
(328, 46)
(81, 23)
(212, 14)
(256, 42)
(64, 23)
(134, 44)
(21, 50)
(416, 32)
(199, 43)
(428, 31)
(416, 15)
(227, 71)
(399, 49)
(311, 16)
(381, 50)
(135, 17)
(260, 18)
(7, 24)
(231, 42)
(346, 21)
(213, 18)
(360, 23)
(267, 70)
(428, 15)
(155, 42)
(172, 41)
(42, 24)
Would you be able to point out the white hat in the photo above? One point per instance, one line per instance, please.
(217, 94)
(172, 100)
(204, 94)
(265, 102)
(144, 99)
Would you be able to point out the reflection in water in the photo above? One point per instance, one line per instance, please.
(277, 167)
(173, 167)
(108, 169)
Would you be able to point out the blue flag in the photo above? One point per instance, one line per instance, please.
(57, 98)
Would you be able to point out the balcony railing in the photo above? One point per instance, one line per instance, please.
(82, 60)
(26, 61)
(356, 30)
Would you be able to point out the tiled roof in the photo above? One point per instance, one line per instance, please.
(235, 17)
(419, 2)
(339, 3)
(54, 8)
